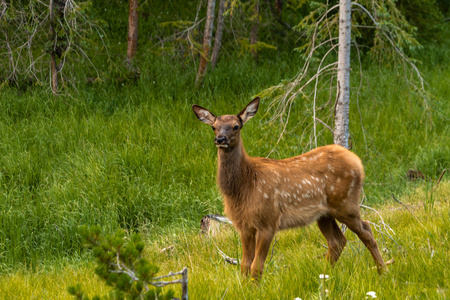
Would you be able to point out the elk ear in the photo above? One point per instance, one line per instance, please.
(249, 111)
(204, 115)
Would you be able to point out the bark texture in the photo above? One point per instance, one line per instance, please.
(132, 29)
(218, 36)
(341, 131)
(206, 42)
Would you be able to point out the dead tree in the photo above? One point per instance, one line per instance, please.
(132, 30)
(341, 121)
(53, 51)
(218, 36)
(330, 72)
(206, 42)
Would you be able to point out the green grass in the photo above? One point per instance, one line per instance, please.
(134, 156)
(420, 248)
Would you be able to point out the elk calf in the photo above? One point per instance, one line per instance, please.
(262, 195)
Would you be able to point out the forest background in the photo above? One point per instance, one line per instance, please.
(114, 143)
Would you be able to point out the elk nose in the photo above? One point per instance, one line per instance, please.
(220, 140)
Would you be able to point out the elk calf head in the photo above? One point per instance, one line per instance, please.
(227, 128)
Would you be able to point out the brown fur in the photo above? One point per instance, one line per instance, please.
(263, 196)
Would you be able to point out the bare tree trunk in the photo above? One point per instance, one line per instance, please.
(54, 68)
(218, 37)
(254, 33)
(206, 42)
(132, 30)
(279, 7)
(341, 131)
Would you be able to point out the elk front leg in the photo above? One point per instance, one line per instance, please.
(248, 240)
(263, 240)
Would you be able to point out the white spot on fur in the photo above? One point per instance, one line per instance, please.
(332, 188)
(266, 196)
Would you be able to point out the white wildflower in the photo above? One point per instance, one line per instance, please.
(371, 294)
(324, 276)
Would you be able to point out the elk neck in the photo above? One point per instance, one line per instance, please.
(235, 171)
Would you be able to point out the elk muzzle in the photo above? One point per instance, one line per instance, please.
(221, 142)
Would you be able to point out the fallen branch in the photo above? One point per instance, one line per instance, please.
(210, 224)
(233, 261)
(387, 228)
(387, 263)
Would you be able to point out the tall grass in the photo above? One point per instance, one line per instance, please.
(133, 155)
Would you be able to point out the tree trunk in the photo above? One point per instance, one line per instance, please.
(279, 7)
(254, 33)
(132, 30)
(53, 65)
(206, 42)
(341, 131)
(218, 37)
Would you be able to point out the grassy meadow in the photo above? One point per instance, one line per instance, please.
(132, 155)
(419, 244)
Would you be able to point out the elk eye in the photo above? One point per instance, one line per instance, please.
(236, 127)
(213, 128)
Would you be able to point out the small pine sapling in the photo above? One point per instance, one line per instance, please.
(121, 265)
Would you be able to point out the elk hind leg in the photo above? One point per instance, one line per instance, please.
(335, 238)
(363, 231)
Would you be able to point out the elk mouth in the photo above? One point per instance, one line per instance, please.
(222, 145)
